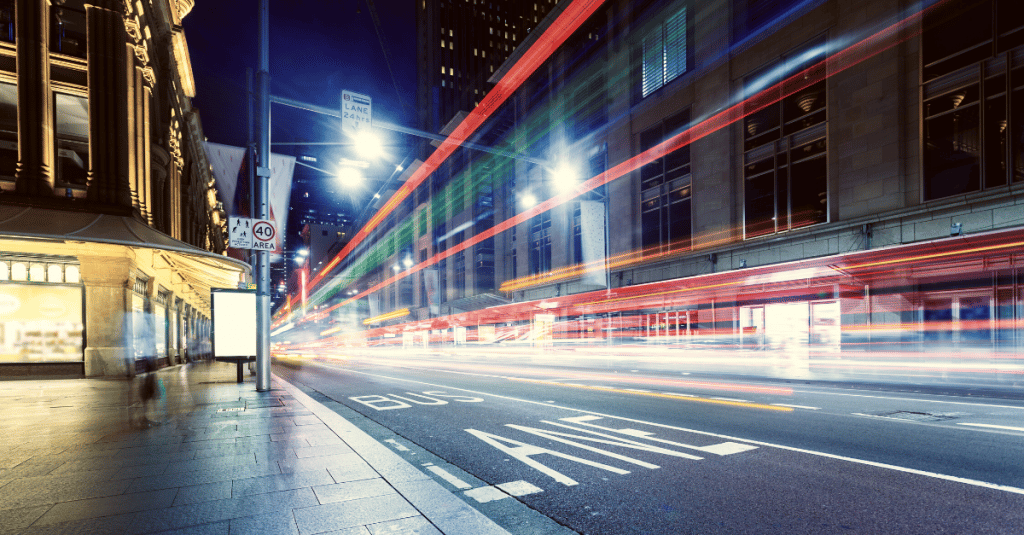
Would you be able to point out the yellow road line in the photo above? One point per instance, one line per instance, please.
(659, 395)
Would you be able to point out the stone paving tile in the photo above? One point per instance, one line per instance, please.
(27, 492)
(209, 512)
(93, 526)
(321, 451)
(353, 490)
(358, 530)
(352, 513)
(274, 483)
(108, 506)
(15, 520)
(214, 528)
(343, 460)
(208, 492)
(245, 459)
(187, 479)
(278, 523)
(416, 525)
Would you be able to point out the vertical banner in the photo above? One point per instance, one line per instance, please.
(232, 178)
(431, 283)
(592, 233)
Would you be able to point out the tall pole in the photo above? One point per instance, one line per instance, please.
(263, 203)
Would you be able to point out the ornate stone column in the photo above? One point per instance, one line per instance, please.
(35, 170)
(108, 280)
(109, 135)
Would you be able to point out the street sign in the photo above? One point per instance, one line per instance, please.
(263, 234)
(240, 232)
(355, 111)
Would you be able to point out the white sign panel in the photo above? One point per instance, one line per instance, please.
(355, 111)
(234, 323)
(263, 233)
(240, 232)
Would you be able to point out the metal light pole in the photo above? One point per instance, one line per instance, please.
(263, 202)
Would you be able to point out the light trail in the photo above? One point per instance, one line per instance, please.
(567, 22)
(840, 61)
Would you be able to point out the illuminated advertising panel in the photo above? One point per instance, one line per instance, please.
(40, 323)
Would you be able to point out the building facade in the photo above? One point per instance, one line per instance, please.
(740, 134)
(111, 235)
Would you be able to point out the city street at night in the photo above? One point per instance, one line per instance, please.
(605, 449)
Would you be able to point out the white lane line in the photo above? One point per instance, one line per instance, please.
(396, 445)
(447, 476)
(993, 426)
(946, 477)
(732, 399)
(637, 390)
(951, 402)
(890, 418)
(519, 488)
(797, 406)
(683, 395)
(486, 494)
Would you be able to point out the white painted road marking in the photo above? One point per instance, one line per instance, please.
(502, 491)
(732, 399)
(523, 452)
(519, 488)
(447, 476)
(797, 406)
(992, 426)
(397, 446)
(935, 475)
(486, 494)
(725, 448)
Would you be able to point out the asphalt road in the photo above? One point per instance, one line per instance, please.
(543, 449)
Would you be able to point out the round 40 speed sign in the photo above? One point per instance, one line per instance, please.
(263, 233)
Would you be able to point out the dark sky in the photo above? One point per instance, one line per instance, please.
(317, 49)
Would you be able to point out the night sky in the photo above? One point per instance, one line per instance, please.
(317, 49)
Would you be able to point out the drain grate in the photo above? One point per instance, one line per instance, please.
(232, 409)
(915, 416)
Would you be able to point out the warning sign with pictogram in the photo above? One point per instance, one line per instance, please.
(240, 232)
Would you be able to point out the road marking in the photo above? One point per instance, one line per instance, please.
(523, 452)
(519, 488)
(397, 446)
(951, 402)
(797, 406)
(742, 401)
(935, 475)
(725, 448)
(502, 491)
(992, 426)
(687, 397)
(447, 476)
(486, 494)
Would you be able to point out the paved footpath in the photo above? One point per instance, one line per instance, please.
(76, 456)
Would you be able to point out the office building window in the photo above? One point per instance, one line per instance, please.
(8, 131)
(540, 243)
(67, 29)
(72, 122)
(665, 189)
(784, 161)
(663, 51)
(972, 77)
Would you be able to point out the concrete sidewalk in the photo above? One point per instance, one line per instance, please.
(222, 458)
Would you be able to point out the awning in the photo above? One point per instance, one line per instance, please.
(201, 270)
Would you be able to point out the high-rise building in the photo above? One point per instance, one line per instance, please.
(460, 45)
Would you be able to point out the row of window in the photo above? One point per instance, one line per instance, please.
(30, 271)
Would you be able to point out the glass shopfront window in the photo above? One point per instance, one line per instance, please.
(40, 323)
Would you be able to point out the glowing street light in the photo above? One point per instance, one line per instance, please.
(368, 145)
(349, 177)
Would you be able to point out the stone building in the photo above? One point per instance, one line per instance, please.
(110, 231)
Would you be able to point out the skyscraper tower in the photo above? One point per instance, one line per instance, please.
(461, 43)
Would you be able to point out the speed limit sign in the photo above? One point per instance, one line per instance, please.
(263, 234)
